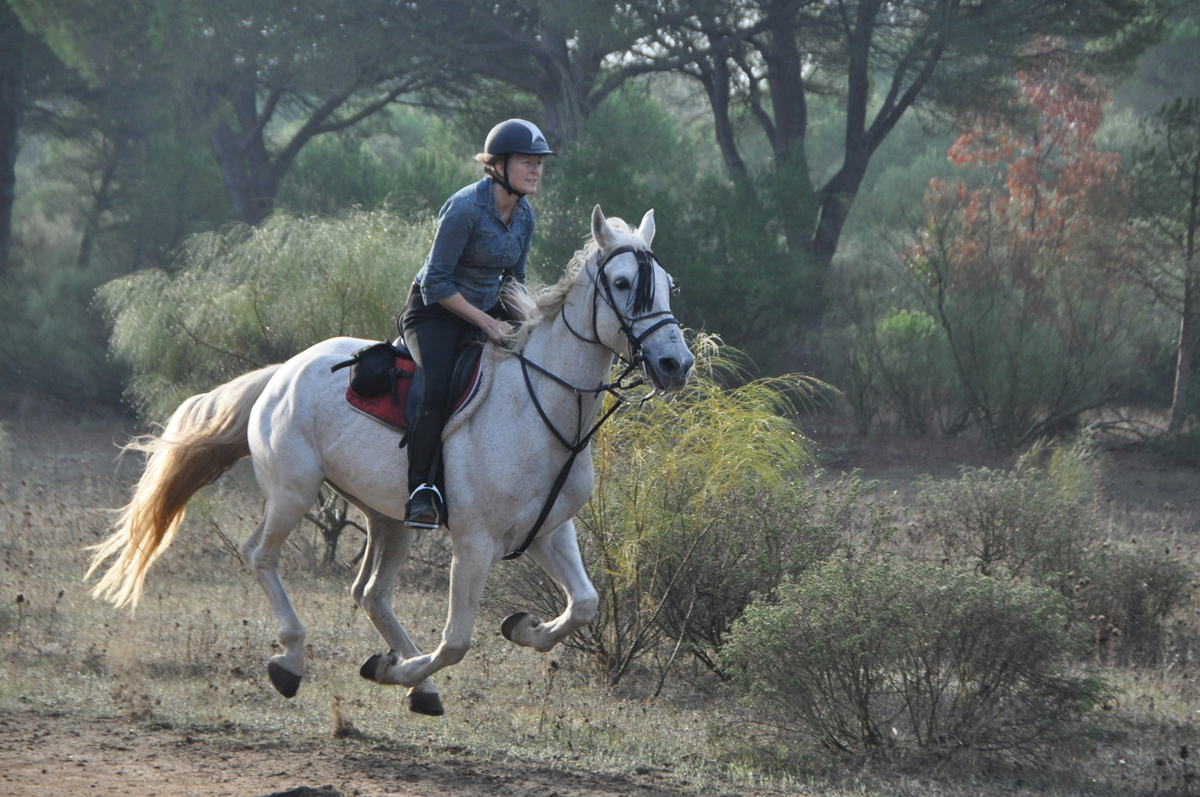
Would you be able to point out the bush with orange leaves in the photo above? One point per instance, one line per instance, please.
(1021, 272)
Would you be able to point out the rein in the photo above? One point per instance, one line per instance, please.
(642, 298)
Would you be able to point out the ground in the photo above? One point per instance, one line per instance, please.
(63, 755)
(116, 743)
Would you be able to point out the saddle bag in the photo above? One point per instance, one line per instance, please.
(373, 370)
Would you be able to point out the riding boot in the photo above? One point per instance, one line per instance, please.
(424, 509)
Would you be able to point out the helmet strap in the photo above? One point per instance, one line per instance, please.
(503, 181)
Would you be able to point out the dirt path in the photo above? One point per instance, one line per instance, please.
(61, 756)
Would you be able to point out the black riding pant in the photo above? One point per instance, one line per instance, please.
(433, 334)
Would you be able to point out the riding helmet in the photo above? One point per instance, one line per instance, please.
(516, 136)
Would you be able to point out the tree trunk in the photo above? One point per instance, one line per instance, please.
(785, 80)
(12, 100)
(561, 116)
(101, 202)
(241, 155)
(1183, 363)
(1183, 360)
(837, 197)
(566, 88)
(714, 75)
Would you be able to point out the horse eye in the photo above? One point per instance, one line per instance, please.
(621, 284)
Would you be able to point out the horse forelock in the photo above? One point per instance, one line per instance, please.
(643, 294)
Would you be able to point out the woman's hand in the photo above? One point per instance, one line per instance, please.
(498, 331)
(494, 328)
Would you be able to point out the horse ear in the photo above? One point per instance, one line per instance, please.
(602, 234)
(647, 227)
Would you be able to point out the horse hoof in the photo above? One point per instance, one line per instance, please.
(427, 703)
(370, 668)
(286, 683)
(511, 622)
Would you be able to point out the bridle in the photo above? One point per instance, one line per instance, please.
(641, 301)
(643, 296)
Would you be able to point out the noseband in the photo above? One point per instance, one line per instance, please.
(643, 296)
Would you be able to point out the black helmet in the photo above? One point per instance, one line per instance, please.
(516, 136)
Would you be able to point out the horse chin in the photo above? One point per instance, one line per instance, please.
(664, 384)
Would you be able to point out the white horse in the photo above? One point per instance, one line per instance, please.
(501, 458)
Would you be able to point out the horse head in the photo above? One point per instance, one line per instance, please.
(631, 302)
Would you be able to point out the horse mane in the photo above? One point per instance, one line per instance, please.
(530, 309)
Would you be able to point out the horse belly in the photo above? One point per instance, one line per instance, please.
(363, 457)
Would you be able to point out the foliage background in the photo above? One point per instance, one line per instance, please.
(994, 278)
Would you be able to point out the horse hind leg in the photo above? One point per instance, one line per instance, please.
(284, 511)
(388, 544)
(558, 555)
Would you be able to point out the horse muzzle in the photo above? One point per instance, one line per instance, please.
(669, 372)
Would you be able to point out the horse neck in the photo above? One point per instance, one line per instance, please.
(584, 365)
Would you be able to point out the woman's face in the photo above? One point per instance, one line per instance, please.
(524, 171)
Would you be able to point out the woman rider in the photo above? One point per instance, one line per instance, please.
(483, 235)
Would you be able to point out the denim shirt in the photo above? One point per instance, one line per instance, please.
(474, 248)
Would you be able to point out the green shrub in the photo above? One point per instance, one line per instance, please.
(50, 340)
(334, 174)
(865, 656)
(849, 369)
(864, 290)
(914, 369)
(738, 278)
(1039, 523)
(765, 536)
(247, 297)
(1015, 522)
(1181, 448)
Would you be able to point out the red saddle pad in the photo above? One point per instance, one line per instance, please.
(384, 407)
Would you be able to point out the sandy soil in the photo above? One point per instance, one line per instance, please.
(64, 756)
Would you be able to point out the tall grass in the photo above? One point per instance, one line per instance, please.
(686, 519)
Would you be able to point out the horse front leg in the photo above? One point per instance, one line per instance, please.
(388, 544)
(474, 556)
(558, 554)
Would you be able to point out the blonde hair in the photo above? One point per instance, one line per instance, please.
(488, 161)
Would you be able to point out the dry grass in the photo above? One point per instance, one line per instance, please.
(196, 651)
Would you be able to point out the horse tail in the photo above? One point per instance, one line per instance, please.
(202, 440)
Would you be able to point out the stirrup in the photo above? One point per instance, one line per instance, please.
(414, 518)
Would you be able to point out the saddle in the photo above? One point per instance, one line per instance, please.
(385, 385)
